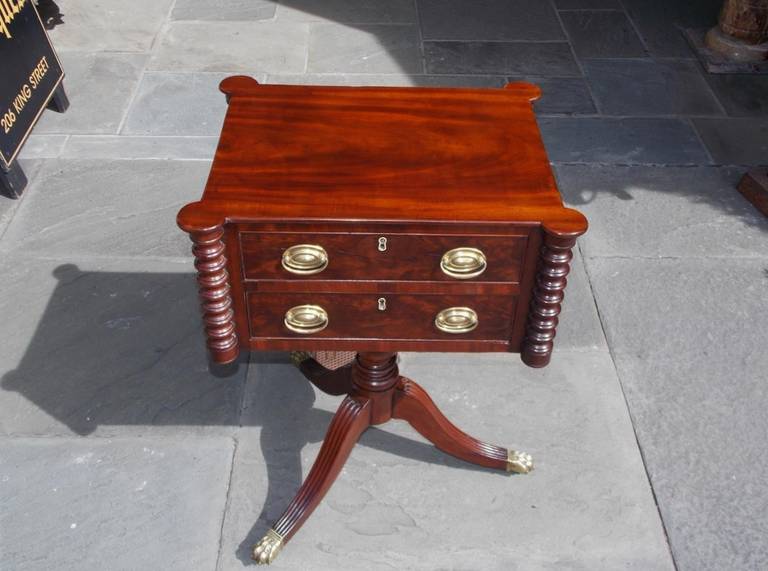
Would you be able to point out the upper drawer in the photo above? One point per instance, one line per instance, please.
(369, 256)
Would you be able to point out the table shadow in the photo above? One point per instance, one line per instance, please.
(123, 353)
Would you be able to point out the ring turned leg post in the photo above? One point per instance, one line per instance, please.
(216, 300)
(413, 404)
(547, 299)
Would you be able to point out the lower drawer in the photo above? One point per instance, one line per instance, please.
(370, 316)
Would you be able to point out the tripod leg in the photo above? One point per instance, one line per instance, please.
(349, 422)
(413, 404)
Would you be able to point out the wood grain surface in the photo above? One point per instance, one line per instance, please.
(429, 169)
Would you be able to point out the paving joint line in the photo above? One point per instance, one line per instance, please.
(636, 29)
(754, 257)
(421, 37)
(699, 138)
(468, 41)
(628, 408)
(227, 501)
(576, 59)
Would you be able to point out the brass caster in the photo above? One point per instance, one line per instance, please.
(298, 357)
(519, 462)
(265, 551)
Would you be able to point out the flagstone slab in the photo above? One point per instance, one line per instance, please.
(348, 11)
(498, 20)
(364, 48)
(178, 104)
(109, 348)
(140, 147)
(503, 58)
(632, 140)
(122, 504)
(602, 33)
(109, 25)
(645, 87)
(639, 211)
(688, 337)
(237, 10)
(106, 208)
(401, 503)
(742, 141)
(241, 47)
(99, 87)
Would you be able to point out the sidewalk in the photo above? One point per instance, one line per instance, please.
(121, 450)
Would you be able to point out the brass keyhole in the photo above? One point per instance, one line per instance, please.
(382, 304)
(382, 244)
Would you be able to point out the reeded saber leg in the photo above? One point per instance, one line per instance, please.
(349, 422)
(413, 404)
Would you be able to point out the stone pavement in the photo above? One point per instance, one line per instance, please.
(121, 449)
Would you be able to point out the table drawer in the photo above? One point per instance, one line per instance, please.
(369, 256)
(371, 316)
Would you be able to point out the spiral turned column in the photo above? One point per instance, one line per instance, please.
(547, 300)
(213, 279)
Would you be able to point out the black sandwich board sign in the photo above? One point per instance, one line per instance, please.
(30, 73)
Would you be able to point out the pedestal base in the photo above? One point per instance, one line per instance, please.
(376, 393)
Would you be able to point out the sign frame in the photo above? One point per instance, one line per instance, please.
(5, 163)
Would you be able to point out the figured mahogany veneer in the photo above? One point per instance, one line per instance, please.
(408, 257)
(379, 184)
(356, 318)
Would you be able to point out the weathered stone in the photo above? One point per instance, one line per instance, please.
(241, 47)
(348, 11)
(688, 337)
(140, 147)
(106, 208)
(735, 141)
(178, 104)
(602, 34)
(99, 87)
(662, 212)
(109, 26)
(401, 502)
(111, 349)
(622, 141)
(504, 58)
(464, 20)
(124, 504)
(645, 87)
(365, 48)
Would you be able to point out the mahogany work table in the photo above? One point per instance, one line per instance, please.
(378, 220)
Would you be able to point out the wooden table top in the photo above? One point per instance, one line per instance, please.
(381, 153)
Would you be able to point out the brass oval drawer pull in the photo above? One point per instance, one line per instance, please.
(305, 259)
(306, 319)
(456, 320)
(463, 263)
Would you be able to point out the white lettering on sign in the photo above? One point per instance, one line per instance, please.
(8, 11)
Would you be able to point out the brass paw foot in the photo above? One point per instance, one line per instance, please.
(519, 462)
(265, 551)
(298, 357)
